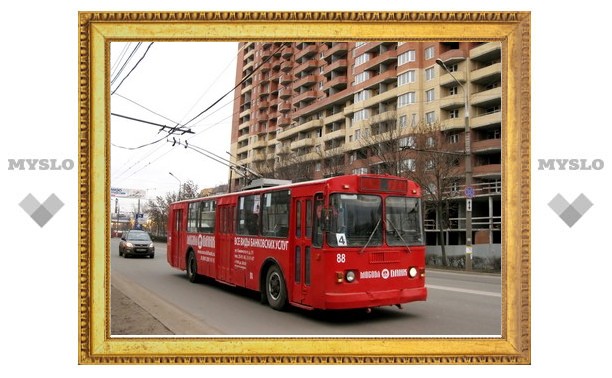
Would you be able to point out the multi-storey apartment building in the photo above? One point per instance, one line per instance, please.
(305, 110)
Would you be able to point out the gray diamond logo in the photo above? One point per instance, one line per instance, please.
(570, 213)
(41, 213)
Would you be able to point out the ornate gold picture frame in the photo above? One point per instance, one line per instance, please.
(98, 29)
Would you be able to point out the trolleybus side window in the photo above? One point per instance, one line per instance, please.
(192, 217)
(275, 214)
(319, 219)
(248, 215)
(207, 217)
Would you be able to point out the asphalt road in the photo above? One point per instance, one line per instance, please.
(148, 297)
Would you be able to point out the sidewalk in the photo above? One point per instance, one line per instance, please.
(128, 318)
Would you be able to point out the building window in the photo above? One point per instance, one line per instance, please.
(402, 122)
(357, 134)
(406, 99)
(406, 78)
(453, 138)
(453, 91)
(360, 115)
(361, 96)
(408, 165)
(360, 171)
(360, 78)
(407, 142)
(429, 73)
(453, 113)
(408, 56)
(430, 117)
(413, 120)
(361, 59)
(429, 52)
(429, 95)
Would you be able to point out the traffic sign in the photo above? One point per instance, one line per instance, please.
(469, 192)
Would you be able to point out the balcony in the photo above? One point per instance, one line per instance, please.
(283, 121)
(306, 142)
(486, 52)
(453, 124)
(488, 170)
(386, 57)
(307, 66)
(487, 74)
(292, 131)
(486, 98)
(452, 102)
(307, 81)
(451, 57)
(486, 120)
(446, 80)
(286, 79)
(339, 82)
(284, 107)
(385, 77)
(334, 118)
(306, 52)
(334, 135)
(306, 96)
(486, 145)
(287, 52)
(262, 104)
(265, 67)
(287, 66)
(340, 48)
(338, 65)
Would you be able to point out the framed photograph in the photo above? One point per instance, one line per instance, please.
(498, 46)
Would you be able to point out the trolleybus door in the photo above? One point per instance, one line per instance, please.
(302, 249)
(174, 258)
(226, 229)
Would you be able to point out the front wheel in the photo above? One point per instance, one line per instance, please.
(276, 291)
(192, 268)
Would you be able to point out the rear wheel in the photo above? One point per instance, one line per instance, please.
(192, 267)
(276, 291)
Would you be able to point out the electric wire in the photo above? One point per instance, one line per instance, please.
(133, 68)
(126, 62)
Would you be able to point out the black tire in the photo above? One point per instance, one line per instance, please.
(192, 268)
(276, 290)
(120, 253)
(152, 255)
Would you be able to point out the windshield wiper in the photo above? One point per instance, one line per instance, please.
(398, 232)
(371, 235)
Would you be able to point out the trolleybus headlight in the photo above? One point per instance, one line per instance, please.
(350, 276)
(413, 272)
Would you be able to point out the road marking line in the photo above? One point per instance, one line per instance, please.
(467, 291)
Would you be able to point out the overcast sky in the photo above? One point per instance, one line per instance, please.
(173, 83)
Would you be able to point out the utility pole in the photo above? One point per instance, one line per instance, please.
(469, 191)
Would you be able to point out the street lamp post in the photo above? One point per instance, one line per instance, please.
(180, 185)
(468, 171)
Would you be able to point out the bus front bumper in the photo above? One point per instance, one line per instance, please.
(337, 301)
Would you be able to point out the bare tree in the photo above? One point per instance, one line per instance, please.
(332, 159)
(157, 209)
(426, 154)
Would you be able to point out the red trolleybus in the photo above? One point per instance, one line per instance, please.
(345, 242)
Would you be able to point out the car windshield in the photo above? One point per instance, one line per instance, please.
(355, 220)
(142, 236)
(403, 221)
